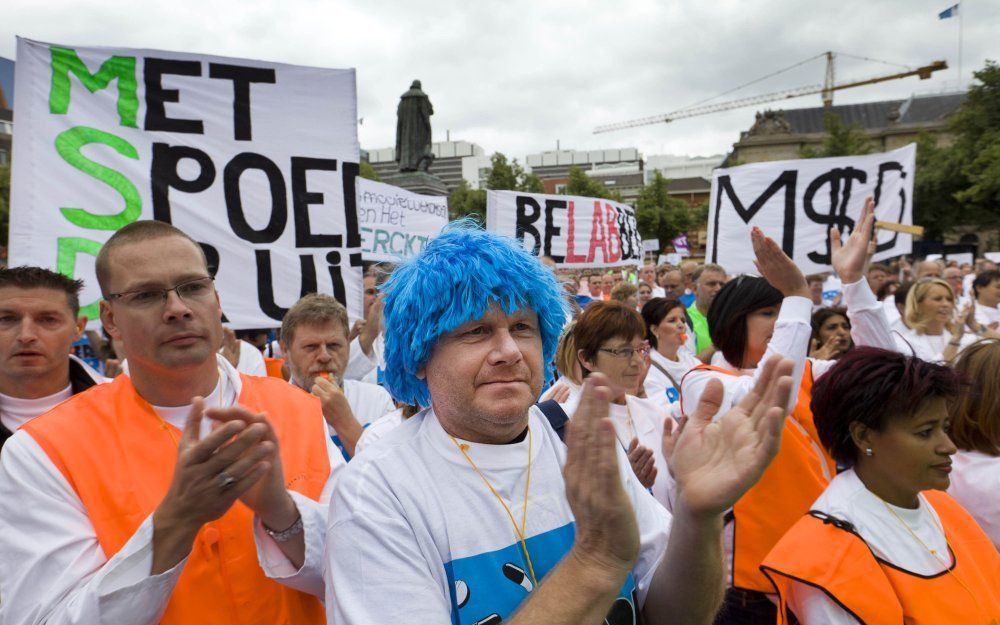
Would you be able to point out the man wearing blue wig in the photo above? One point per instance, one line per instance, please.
(474, 512)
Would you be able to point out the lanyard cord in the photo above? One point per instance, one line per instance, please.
(933, 552)
(518, 530)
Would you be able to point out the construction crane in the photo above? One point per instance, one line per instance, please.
(826, 90)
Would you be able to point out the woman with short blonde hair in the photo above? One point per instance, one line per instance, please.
(933, 331)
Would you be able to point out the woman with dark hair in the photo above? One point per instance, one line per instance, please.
(831, 334)
(667, 331)
(750, 319)
(882, 544)
(975, 428)
(610, 338)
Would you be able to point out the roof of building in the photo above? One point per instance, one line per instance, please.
(875, 115)
(688, 185)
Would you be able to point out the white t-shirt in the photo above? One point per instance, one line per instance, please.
(663, 391)
(642, 419)
(975, 483)
(415, 536)
(927, 346)
(986, 315)
(359, 364)
(377, 430)
(15, 412)
(369, 402)
(251, 360)
(848, 499)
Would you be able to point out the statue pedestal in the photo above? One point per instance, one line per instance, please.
(419, 182)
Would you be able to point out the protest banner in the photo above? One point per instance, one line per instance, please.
(796, 203)
(681, 245)
(574, 231)
(395, 223)
(256, 161)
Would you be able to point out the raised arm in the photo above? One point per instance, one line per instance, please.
(869, 325)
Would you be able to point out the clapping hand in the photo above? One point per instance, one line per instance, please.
(715, 462)
(643, 465)
(607, 534)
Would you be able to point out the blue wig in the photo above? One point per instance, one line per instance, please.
(457, 278)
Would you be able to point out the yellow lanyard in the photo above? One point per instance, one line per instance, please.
(518, 530)
(948, 568)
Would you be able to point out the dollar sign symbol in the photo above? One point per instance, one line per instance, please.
(840, 181)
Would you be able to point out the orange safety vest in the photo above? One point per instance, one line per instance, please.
(827, 554)
(274, 366)
(119, 458)
(797, 476)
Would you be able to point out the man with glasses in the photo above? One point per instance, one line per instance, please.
(39, 321)
(161, 497)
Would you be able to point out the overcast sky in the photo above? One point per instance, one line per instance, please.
(516, 76)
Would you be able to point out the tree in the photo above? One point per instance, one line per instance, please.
(977, 148)
(840, 140)
(368, 171)
(660, 216)
(531, 183)
(937, 180)
(510, 176)
(581, 184)
(465, 201)
(504, 175)
(960, 183)
(4, 203)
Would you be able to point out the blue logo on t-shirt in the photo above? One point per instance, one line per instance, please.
(487, 588)
(672, 394)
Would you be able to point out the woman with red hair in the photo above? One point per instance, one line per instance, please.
(883, 544)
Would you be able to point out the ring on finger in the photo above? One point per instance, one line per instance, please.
(225, 480)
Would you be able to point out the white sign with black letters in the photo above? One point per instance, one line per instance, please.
(256, 161)
(796, 202)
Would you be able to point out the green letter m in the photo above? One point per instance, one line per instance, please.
(65, 60)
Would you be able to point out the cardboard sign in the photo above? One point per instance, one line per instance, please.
(395, 223)
(574, 231)
(256, 161)
(797, 202)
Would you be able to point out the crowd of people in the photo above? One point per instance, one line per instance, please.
(499, 439)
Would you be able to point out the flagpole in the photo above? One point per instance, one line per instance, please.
(961, 12)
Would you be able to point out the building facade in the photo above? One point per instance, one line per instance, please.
(889, 124)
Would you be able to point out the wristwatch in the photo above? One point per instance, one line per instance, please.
(286, 534)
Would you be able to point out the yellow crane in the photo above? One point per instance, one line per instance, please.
(826, 90)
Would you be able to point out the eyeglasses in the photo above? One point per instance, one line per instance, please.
(625, 353)
(199, 290)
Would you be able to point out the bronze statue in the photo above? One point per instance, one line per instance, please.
(413, 130)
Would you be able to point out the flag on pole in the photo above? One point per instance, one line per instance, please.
(951, 11)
